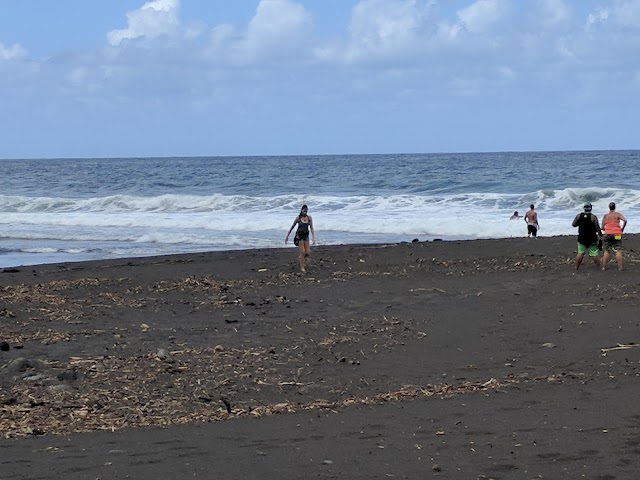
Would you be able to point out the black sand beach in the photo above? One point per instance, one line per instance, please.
(462, 360)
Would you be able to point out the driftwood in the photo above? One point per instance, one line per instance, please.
(620, 346)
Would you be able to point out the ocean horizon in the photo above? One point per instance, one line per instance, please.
(65, 210)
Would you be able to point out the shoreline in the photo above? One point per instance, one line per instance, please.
(284, 247)
(463, 358)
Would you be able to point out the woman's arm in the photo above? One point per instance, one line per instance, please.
(293, 225)
(313, 233)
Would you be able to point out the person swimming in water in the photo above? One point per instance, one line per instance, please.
(515, 216)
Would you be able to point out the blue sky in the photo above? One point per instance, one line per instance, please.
(187, 77)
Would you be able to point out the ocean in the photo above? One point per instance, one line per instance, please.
(65, 210)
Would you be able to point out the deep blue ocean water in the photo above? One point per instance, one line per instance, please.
(59, 210)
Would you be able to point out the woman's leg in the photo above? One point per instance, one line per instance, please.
(301, 254)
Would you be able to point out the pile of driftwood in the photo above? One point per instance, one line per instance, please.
(169, 388)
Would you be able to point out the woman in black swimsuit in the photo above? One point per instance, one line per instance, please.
(304, 222)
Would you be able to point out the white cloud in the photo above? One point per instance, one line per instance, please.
(628, 13)
(382, 29)
(618, 14)
(596, 18)
(506, 72)
(449, 31)
(278, 28)
(482, 15)
(490, 42)
(153, 19)
(221, 36)
(12, 52)
(553, 12)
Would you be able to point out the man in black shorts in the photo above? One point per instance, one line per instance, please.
(531, 217)
(613, 224)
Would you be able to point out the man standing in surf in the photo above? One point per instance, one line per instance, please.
(531, 218)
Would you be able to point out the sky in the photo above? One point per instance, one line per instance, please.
(167, 78)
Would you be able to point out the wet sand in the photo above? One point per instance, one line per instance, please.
(478, 359)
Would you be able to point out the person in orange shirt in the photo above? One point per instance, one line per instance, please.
(613, 224)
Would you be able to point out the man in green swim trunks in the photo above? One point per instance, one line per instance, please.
(588, 233)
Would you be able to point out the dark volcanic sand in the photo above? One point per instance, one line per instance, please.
(463, 360)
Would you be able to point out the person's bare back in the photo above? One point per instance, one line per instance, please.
(531, 219)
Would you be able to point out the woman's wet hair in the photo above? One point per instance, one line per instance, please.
(303, 209)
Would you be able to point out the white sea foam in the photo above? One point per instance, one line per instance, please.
(222, 219)
(551, 199)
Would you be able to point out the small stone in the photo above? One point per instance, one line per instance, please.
(280, 407)
(163, 354)
(68, 376)
(31, 377)
(21, 365)
(62, 387)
